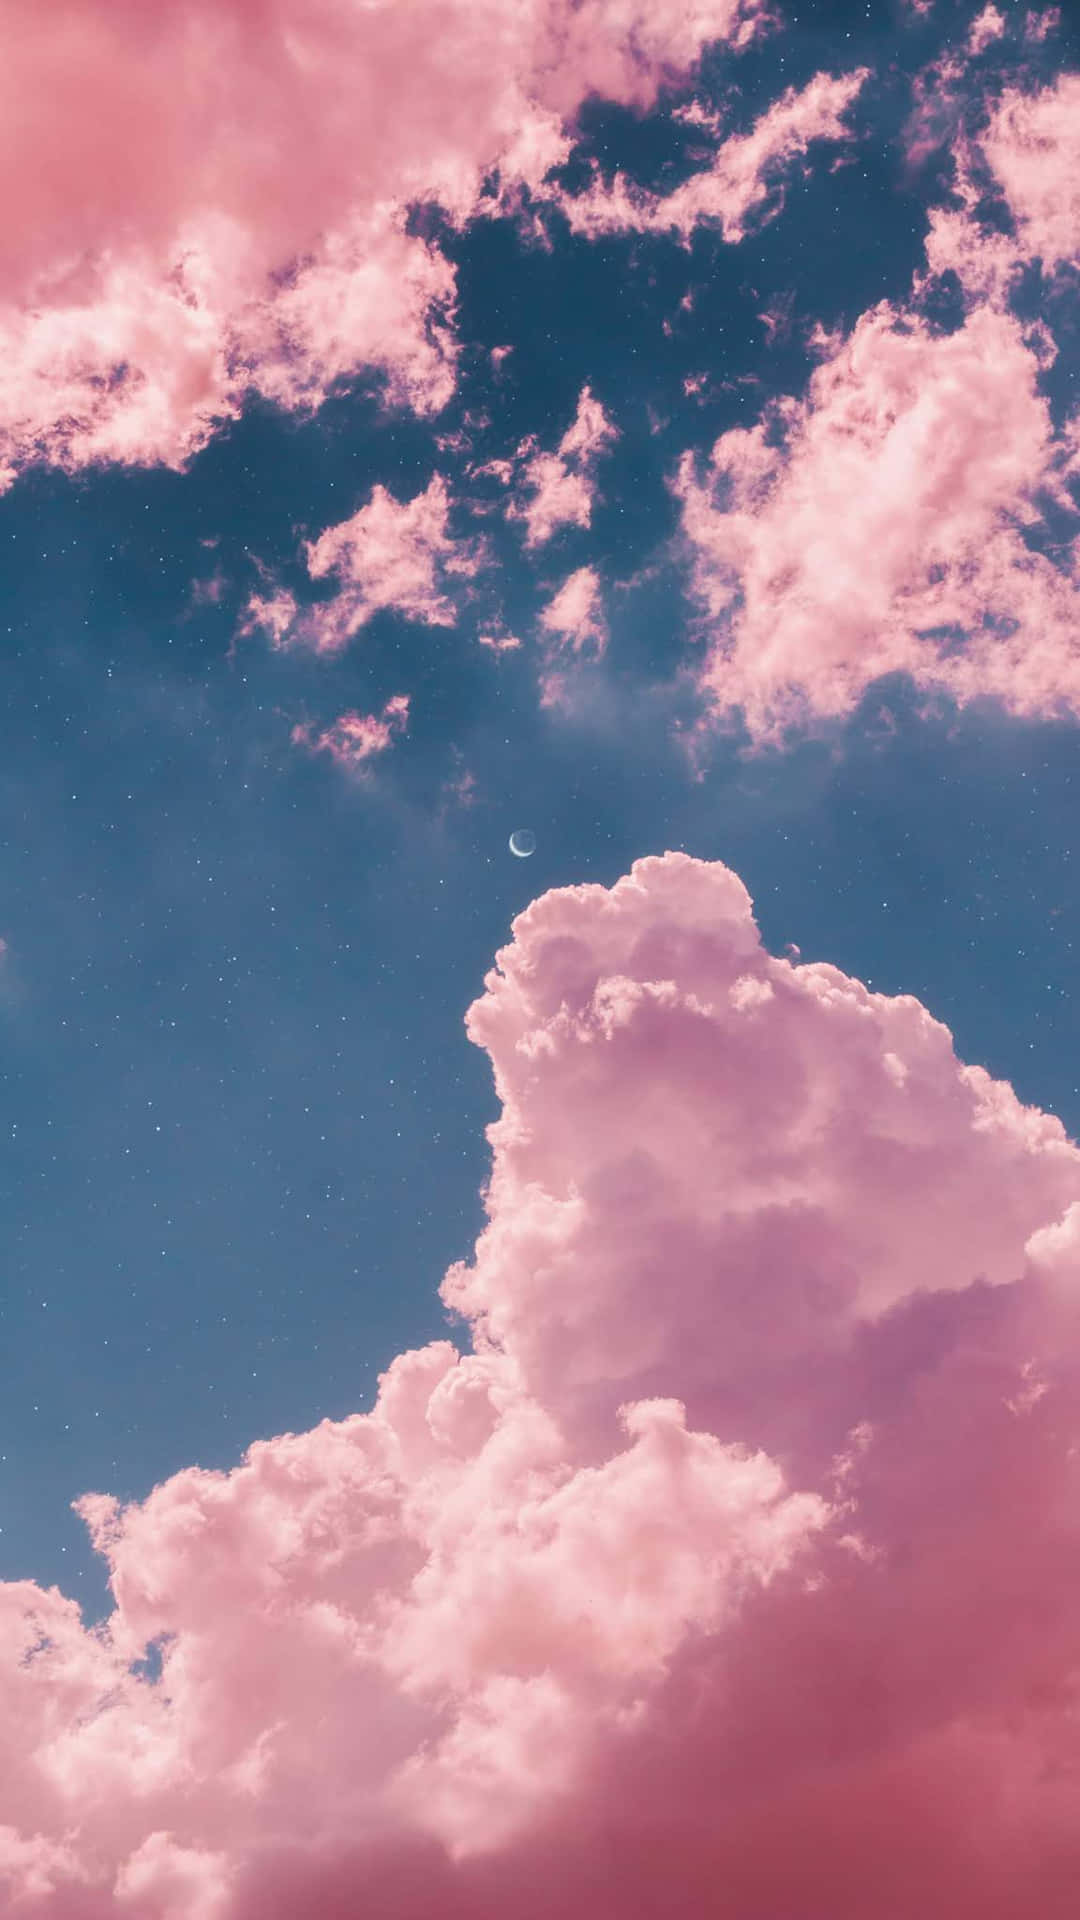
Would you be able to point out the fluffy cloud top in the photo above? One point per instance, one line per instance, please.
(745, 171)
(882, 524)
(208, 199)
(736, 1562)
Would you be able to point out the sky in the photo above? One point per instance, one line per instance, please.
(540, 1381)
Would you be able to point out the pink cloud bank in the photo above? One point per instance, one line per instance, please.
(735, 1566)
(743, 178)
(878, 525)
(205, 201)
(355, 738)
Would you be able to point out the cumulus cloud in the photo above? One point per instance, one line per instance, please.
(889, 521)
(744, 177)
(208, 201)
(558, 489)
(389, 556)
(354, 738)
(737, 1558)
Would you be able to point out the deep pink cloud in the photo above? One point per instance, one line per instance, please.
(204, 200)
(355, 738)
(558, 489)
(880, 524)
(390, 555)
(734, 1568)
(743, 179)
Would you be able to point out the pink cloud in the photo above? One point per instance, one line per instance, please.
(391, 555)
(736, 1563)
(574, 616)
(273, 613)
(878, 525)
(937, 109)
(208, 202)
(559, 488)
(744, 174)
(987, 26)
(1041, 22)
(354, 738)
(462, 788)
(1033, 145)
(499, 642)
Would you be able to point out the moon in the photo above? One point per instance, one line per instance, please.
(523, 842)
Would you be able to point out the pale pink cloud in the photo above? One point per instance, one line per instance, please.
(744, 178)
(390, 555)
(574, 616)
(499, 642)
(937, 108)
(734, 1568)
(776, 319)
(559, 489)
(354, 738)
(204, 202)
(462, 788)
(272, 613)
(987, 26)
(879, 525)
(1030, 142)
(1041, 22)
(1033, 145)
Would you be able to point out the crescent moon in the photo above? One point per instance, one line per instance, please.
(522, 842)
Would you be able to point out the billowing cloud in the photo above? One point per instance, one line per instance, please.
(206, 201)
(558, 489)
(390, 555)
(744, 177)
(355, 738)
(890, 521)
(736, 1561)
